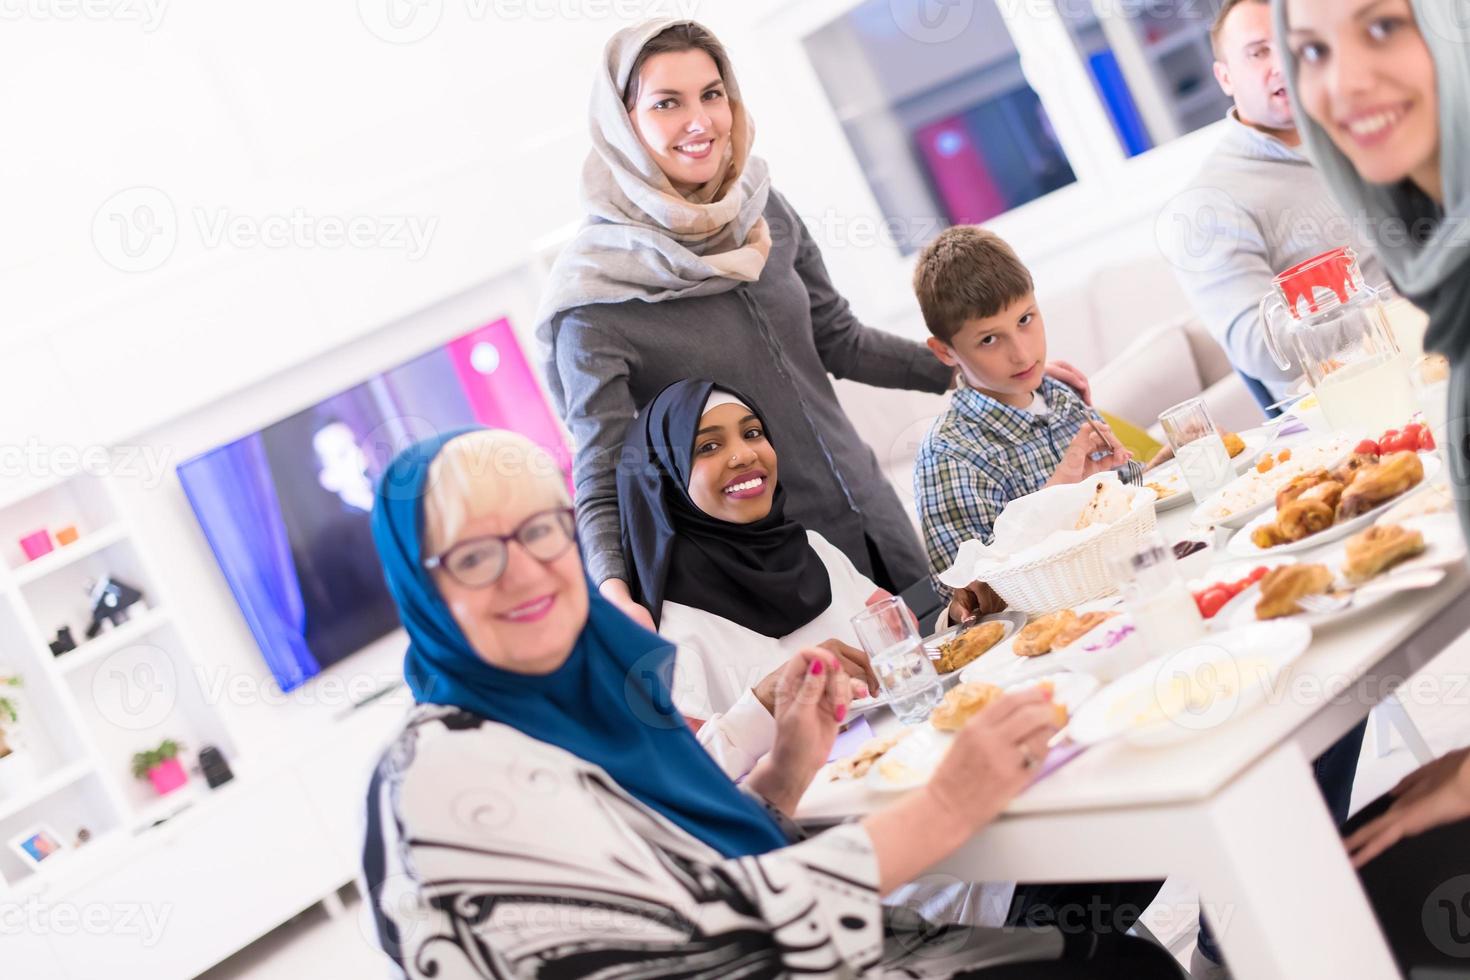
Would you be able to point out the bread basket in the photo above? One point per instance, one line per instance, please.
(1079, 573)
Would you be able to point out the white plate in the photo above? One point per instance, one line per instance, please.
(910, 763)
(1002, 666)
(1336, 449)
(1170, 477)
(1013, 621)
(1234, 571)
(1070, 688)
(1444, 547)
(1230, 674)
(1241, 545)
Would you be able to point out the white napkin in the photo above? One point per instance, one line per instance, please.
(1032, 527)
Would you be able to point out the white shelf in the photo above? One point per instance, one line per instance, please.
(64, 555)
(52, 784)
(167, 807)
(112, 639)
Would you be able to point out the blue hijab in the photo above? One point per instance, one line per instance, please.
(609, 704)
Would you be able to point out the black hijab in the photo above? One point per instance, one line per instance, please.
(764, 576)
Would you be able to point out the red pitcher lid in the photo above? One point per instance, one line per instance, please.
(1333, 271)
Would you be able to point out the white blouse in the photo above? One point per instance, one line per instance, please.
(491, 854)
(720, 661)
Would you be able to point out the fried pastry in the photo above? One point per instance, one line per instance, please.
(1267, 536)
(1300, 485)
(961, 704)
(1379, 484)
(1302, 518)
(1079, 627)
(1037, 636)
(1348, 471)
(856, 766)
(963, 649)
(1283, 586)
(1234, 444)
(1378, 549)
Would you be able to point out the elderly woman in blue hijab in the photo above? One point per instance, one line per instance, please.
(546, 812)
(1382, 90)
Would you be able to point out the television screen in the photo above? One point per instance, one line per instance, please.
(286, 509)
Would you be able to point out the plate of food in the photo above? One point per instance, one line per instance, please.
(1167, 483)
(1254, 492)
(1217, 592)
(954, 649)
(1373, 566)
(1244, 449)
(1323, 506)
(912, 758)
(1068, 639)
(1194, 691)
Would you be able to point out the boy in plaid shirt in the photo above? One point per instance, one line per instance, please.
(1009, 430)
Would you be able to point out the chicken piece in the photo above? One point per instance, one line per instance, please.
(1282, 587)
(1234, 444)
(1329, 493)
(1378, 549)
(1348, 471)
(1379, 484)
(1303, 518)
(1267, 536)
(1300, 485)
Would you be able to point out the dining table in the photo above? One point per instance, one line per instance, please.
(1233, 809)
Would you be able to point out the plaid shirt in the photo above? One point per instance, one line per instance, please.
(980, 455)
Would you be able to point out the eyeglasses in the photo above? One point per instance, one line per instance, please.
(479, 562)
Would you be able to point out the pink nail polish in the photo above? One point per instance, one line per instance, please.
(816, 668)
(840, 713)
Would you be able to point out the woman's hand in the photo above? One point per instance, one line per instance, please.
(852, 665)
(1429, 797)
(975, 599)
(811, 698)
(1072, 378)
(1077, 463)
(615, 590)
(992, 759)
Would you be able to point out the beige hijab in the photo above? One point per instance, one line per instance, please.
(642, 239)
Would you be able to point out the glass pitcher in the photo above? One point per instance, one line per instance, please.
(1323, 316)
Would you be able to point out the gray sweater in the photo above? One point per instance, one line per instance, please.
(1256, 208)
(776, 340)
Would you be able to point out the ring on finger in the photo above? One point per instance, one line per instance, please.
(1028, 760)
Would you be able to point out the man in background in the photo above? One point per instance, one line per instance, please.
(1256, 208)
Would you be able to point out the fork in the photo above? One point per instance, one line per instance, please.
(1401, 582)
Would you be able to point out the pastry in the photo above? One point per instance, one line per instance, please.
(1037, 636)
(1378, 549)
(1348, 471)
(1266, 536)
(961, 650)
(1300, 485)
(1283, 586)
(1109, 504)
(1379, 484)
(1079, 627)
(1302, 518)
(856, 766)
(961, 704)
(1234, 444)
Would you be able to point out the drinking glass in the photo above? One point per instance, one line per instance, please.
(889, 634)
(1197, 445)
(1155, 594)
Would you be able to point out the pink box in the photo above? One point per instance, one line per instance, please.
(167, 776)
(36, 544)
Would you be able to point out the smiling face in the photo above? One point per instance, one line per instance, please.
(1249, 69)
(1367, 78)
(683, 117)
(733, 476)
(528, 620)
(1003, 356)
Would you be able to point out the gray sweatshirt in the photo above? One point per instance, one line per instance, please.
(1256, 208)
(776, 340)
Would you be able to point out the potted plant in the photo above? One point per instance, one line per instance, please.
(15, 765)
(161, 767)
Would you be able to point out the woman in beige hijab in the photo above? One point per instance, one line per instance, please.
(691, 265)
